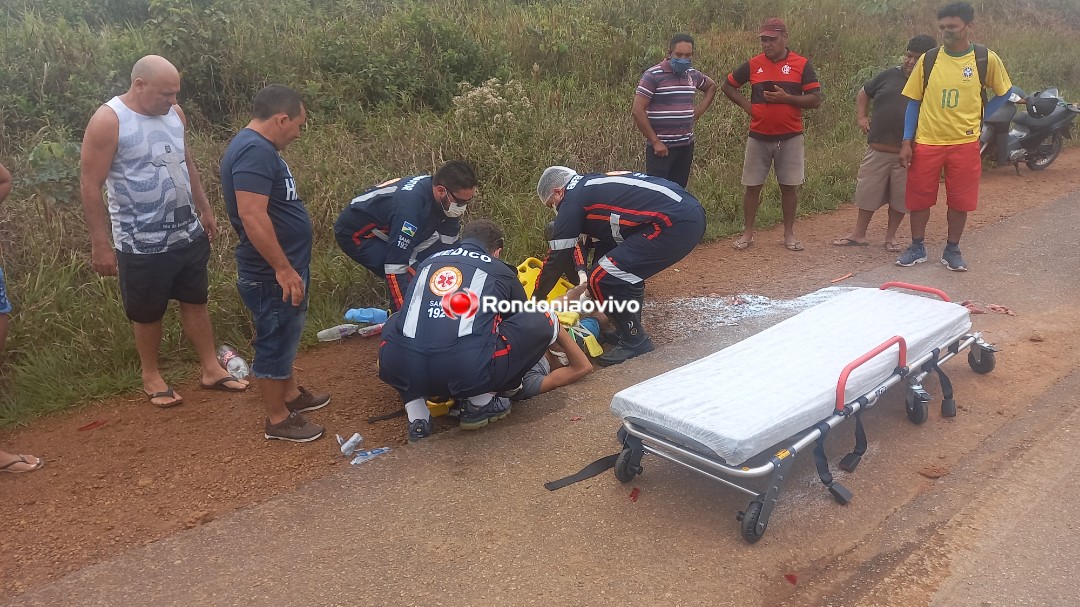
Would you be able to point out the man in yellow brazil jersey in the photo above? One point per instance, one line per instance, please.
(941, 130)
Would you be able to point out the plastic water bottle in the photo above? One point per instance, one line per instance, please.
(366, 456)
(348, 447)
(370, 330)
(372, 316)
(231, 361)
(336, 333)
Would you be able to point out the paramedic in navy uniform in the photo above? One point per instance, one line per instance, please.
(429, 351)
(396, 224)
(638, 224)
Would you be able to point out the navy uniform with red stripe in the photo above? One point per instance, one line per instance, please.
(429, 353)
(391, 227)
(638, 225)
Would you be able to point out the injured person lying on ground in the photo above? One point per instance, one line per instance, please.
(562, 365)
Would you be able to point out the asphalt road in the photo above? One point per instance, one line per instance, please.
(463, 519)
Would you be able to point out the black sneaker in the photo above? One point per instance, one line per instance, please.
(622, 352)
(307, 401)
(473, 417)
(419, 430)
(295, 428)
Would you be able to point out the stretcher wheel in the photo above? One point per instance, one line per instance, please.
(750, 522)
(624, 470)
(918, 411)
(984, 364)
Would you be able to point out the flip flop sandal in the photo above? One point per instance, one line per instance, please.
(220, 385)
(847, 242)
(168, 393)
(741, 244)
(795, 246)
(22, 460)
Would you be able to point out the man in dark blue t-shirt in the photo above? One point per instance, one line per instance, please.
(392, 227)
(881, 179)
(273, 256)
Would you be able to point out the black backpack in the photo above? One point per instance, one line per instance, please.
(982, 57)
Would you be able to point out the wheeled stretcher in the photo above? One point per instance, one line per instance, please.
(783, 389)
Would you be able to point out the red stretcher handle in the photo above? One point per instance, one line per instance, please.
(841, 384)
(911, 287)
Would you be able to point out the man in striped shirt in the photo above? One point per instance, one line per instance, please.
(664, 111)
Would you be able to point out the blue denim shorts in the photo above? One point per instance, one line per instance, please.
(5, 303)
(278, 326)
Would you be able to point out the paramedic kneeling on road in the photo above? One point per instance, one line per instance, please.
(392, 226)
(638, 224)
(447, 341)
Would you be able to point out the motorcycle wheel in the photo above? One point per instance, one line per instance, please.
(1045, 154)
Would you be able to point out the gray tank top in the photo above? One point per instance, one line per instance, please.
(149, 188)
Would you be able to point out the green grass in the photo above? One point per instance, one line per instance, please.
(382, 79)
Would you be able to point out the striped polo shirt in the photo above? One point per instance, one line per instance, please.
(671, 101)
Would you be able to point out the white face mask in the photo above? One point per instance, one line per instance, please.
(455, 210)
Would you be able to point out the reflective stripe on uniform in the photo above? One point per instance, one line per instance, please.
(612, 269)
(395, 268)
(412, 315)
(423, 246)
(372, 194)
(637, 183)
(465, 325)
(561, 244)
(380, 235)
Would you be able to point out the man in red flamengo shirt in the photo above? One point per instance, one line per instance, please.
(782, 85)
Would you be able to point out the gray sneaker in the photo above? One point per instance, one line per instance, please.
(915, 253)
(295, 428)
(473, 417)
(953, 260)
(307, 401)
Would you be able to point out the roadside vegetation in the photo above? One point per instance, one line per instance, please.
(396, 87)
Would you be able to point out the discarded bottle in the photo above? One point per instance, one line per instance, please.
(336, 333)
(348, 447)
(366, 456)
(372, 316)
(370, 330)
(231, 361)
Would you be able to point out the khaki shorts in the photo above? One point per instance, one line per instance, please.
(786, 157)
(881, 182)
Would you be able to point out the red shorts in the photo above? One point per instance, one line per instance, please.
(962, 166)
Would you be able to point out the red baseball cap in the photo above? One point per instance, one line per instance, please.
(773, 26)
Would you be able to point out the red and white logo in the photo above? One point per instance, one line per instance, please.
(460, 304)
(445, 280)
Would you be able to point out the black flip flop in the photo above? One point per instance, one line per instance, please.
(167, 393)
(220, 385)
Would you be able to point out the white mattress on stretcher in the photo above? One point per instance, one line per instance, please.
(773, 385)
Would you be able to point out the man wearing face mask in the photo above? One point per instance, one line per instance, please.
(881, 179)
(665, 114)
(391, 227)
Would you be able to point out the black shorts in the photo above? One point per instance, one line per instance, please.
(148, 282)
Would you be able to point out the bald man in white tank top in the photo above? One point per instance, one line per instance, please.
(155, 232)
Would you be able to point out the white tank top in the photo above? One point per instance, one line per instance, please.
(149, 188)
